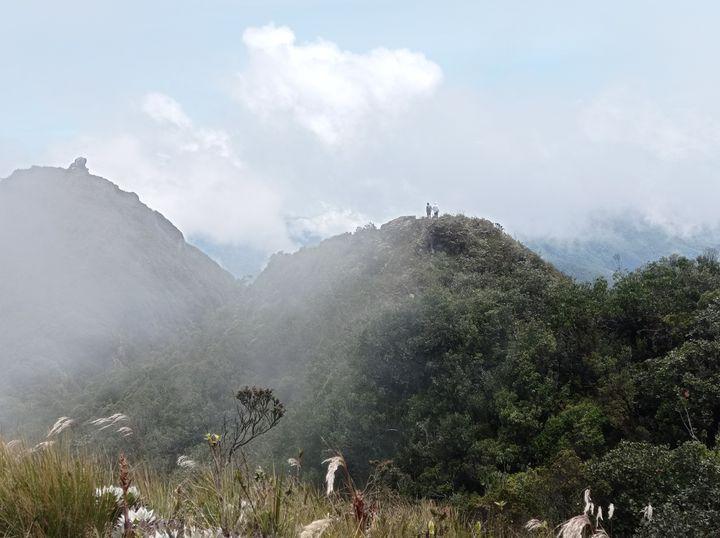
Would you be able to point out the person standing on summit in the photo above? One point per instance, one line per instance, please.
(428, 209)
(435, 210)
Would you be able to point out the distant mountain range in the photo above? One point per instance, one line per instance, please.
(623, 244)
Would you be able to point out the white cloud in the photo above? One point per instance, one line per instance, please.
(163, 108)
(331, 92)
(188, 173)
(331, 221)
(327, 140)
(669, 133)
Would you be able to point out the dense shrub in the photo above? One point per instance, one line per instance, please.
(683, 486)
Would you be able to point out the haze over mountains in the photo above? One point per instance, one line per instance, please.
(441, 353)
(93, 279)
(620, 243)
(88, 267)
(88, 271)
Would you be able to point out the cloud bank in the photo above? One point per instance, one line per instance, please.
(318, 140)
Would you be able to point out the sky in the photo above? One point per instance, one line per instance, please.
(257, 124)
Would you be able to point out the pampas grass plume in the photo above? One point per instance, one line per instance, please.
(334, 464)
(316, 528)
(574, 527)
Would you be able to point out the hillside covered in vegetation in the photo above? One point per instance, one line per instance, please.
(440, 357)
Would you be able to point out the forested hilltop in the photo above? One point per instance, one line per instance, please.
(446, 361)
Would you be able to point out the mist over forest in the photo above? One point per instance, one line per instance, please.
(293, 269)
(441, 357)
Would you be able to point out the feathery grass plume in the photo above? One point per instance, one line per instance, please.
(60, 425)
(107, 422)
(42, 446)
(599, 516)
(186, 462)
(647, 512)
(125, 431)
(316, 528)
(574, 527)
(589, 506)
(334, 464)
(13, 445)
(535, 525)
(611, 510)
(296, 463)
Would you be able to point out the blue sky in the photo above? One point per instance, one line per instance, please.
(535, 113)
(69, 64)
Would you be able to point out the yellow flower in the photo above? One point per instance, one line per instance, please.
(212, 438)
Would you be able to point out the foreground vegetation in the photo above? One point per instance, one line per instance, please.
(57, 488)
(52, 490)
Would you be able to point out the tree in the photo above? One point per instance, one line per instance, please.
(257, 411)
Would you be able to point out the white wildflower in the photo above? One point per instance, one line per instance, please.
(293, 462)
(138, 515)
(611, 510)
(117, 492)
(316, 528)
(334, 464)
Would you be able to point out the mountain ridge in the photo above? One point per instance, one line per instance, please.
(88, 269)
